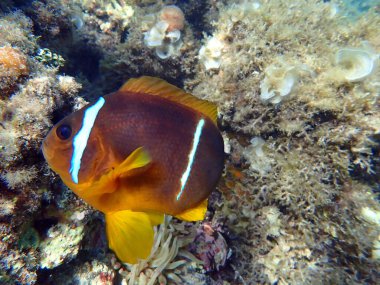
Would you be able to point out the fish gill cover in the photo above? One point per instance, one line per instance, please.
(297, 89)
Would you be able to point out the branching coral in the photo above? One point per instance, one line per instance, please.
(62, 244)
(12, 62)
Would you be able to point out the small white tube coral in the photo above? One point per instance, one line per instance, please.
(210, 54)
(355, 64)
(255, 155)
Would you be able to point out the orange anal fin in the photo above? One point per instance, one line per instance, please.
(130, 234)
(195, 214)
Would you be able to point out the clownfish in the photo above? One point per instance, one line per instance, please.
(146, 150)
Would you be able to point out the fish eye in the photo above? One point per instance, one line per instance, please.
(64, 132)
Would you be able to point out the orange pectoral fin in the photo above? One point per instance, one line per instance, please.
(137, 159)
(195, 214)
(130, 234)
(108, 182)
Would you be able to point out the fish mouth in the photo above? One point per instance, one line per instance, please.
(45, 151)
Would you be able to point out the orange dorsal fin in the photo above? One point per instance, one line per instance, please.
(159, 87)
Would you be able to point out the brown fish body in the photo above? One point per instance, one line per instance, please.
(146, 150)
(166, 130)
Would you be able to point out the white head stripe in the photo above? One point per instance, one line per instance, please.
(185, 175)
(81, 138)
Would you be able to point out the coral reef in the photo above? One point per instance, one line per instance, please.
(297, 88)
(313, 145)
(31, 92)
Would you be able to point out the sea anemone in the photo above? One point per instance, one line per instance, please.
(168, 260)
(355, 64)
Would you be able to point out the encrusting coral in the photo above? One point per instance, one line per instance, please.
(297, 88)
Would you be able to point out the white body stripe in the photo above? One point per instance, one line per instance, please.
(185, 175)
(81, 138)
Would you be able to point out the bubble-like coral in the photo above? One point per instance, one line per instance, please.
(165, 35)
(355, 64)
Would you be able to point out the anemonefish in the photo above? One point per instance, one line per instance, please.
(146, 150)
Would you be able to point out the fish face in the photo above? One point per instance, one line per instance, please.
(57, 146)
(73, 149)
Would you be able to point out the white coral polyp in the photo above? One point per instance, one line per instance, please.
(355, 64)
(277, 84)
(166, 43)
(210, 54)
(174, 36)
(156, 35)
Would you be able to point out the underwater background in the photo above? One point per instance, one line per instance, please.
(297, 86)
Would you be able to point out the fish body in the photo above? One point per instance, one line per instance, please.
(146, 150)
